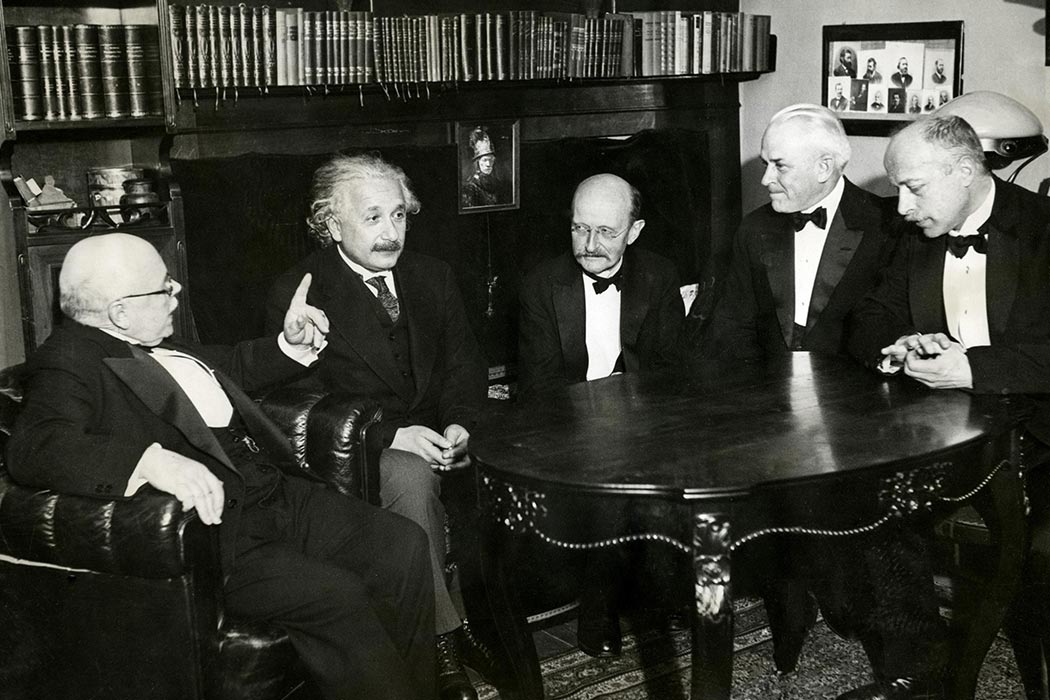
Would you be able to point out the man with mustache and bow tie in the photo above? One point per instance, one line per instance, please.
(399, 335)
(801, 262)
(603, 307)
(111, 406)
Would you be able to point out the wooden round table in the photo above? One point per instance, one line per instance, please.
(803, 444)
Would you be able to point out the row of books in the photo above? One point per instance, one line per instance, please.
(85, 71)
(221, 46)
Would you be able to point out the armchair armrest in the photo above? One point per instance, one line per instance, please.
(335, 437)
(146, 536)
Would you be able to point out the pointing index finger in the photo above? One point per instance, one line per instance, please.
(300, 292)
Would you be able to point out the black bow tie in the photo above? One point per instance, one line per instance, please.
(958, 245)
(603, 283)
(818, 216)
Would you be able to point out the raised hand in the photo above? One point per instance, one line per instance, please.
(305, 325)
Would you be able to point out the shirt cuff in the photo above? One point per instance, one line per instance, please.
(305, 356)
(886, 365)
(150, 455)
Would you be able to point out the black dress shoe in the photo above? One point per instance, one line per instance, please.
(896, 689)
(598, 633)
(453, 683)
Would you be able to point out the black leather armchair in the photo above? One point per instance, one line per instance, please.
(123, 599)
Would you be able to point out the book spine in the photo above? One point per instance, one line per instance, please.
(369, 55)
(114, 70)
(134, 54)
(320, 44)
(190, 59)
(281, 49)
(256, 41)
(203, 46)
(306, 48)
(500, 29)
(355, 44)
(347, 53)
(24, 46)
(71, 75)
(177, 32)
(212, 12)
(89, 76)
(293, 20)
(331, 55)
(379, 39)
(227, 75)
(244, 30)
(59, 60)
(151, 62)
(268, 35)
(45, 40)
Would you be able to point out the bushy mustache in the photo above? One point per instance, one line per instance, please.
(391, 247)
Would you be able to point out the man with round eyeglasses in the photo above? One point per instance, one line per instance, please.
(604, 307)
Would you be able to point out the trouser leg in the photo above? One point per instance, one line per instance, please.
(351, 585)
(409, 487)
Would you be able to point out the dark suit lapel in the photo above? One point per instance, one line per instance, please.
(152, 384)
(926, 279)
(634, 304)
(778, 256)
(421, 312)
(1002, 272)
(569, 310)
(350, 310)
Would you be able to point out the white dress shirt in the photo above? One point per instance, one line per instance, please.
(965, 285)
(367, 274)
(809, 246)
(602, 318)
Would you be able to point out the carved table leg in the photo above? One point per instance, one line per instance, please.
(492, 601)
(712, 673)
(1001, 506)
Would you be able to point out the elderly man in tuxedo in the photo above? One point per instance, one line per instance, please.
(965, 302)
(604, 307)
(801, 262)
(399, 334)
(112, 407)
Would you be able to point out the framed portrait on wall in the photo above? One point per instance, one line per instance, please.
(488, 165)
(878, 75)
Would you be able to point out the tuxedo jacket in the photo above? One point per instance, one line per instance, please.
(755, 314)
(910, 299)
(94, 403)
(553, 326)
(450, 379)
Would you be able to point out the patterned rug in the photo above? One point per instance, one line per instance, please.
(655, 666)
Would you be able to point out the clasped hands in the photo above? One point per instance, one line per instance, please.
(933, 359)
(444, 452)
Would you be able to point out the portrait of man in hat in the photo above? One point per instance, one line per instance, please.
(487, 161)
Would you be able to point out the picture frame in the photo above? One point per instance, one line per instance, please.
(489, 153)
(879, 76)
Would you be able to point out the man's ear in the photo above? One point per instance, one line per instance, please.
(967, 169)
(636, 230)
(118, 315)
(333, 229)
(825, 167)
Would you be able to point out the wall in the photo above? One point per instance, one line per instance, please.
(1003, 51)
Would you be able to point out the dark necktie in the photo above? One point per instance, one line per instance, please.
(958, 245)
(818, 216)
(603, 283)
(388, 300)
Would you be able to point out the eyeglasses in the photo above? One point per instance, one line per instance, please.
(605, 232)
(170, 288)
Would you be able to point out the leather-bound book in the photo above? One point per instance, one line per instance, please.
(246, 40)
(292, 50)
(236, 57)
(213, 46)
(151, 60)
(58, 56)
(204, 60)
(306, 48)
(267, 38)
(114, 69)
(134, 53)
(24, 49)
(320, 46)
(70, 74)
(225, 57)
(193, 72)
(379, 63)
(177, 32)
(89, 71)
(48, 87)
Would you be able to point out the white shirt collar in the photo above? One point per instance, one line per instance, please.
(367, 274)
(979, 216)
(120, 336)
(830, 201)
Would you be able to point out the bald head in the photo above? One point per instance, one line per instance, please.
(605, 221)
(117, 281)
